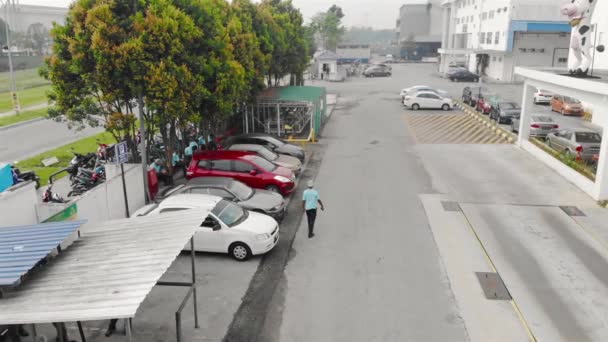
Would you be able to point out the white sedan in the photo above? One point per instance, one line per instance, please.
(227, 228)
(427, 99)
(542, 96)
(415, 89)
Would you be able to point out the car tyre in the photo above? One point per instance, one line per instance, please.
(445, 107)
(415, 106)
(476, 80)
(239, 251)
(273, 188)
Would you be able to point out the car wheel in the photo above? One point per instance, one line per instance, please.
(415, 106)
(476, 80)
(239, 251)
(445, 106)
(273, 188)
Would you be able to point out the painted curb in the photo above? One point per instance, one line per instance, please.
(510, 137)
(22, 123)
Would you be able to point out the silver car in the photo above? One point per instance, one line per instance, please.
(540, 125)
(292, 163)
(581, 143)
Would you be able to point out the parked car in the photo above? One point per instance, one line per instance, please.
(292, 163)
(427, 99)
(504, 112)
(376, 71)
(463, 75)
(415, 89)
(470, 95)
(227, 228)
(581, 143)
(542, 96)
(566, 105)
(540, 125)
(262, 201)
(272, 143)
(484, 102)
(246, 167)
(382, 65)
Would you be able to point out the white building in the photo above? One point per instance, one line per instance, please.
(494, 36)
(421, 21)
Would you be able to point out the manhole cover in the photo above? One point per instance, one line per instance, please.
(572, 211)
(451, 206)
(493, 286)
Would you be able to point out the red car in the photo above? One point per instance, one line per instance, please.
(246, 167)
(483, 105)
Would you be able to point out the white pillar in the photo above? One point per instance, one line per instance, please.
(526, 112)
(246, 120)
(279, 119)
(601, 178)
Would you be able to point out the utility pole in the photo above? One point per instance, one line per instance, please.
(10, 59)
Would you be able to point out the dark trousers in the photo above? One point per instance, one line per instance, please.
(311, 214)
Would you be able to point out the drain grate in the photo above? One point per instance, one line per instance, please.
(451, 206)
(572, 211)
(493, 286)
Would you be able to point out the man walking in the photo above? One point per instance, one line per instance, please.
(309, 202)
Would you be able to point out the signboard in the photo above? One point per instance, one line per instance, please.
(121, 152)
(68, 214)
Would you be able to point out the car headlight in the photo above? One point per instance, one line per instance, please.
(282, 179)
(263, 237)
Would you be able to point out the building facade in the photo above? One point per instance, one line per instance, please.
(492, 37)
(419, 27)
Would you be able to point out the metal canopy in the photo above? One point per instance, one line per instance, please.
(23, 247)
(106, 274)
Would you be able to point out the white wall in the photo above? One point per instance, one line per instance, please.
(18, 205)
(547, 41)
(601, 19)
(106, 201)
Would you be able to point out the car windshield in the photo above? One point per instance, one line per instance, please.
(268, 154)
(571, 100)
(242, 191)
(261, 162)
(229, 213)
(509, 105)
(588, 137)
(542, 118)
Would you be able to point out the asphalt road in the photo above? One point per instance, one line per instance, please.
(21, 142)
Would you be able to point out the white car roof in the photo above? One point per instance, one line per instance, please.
(206, 202)
(426, 92)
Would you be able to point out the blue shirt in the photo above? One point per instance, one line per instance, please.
(175, 158)
(188, 151)
(311, 197)
(201, 140)
(156, 167)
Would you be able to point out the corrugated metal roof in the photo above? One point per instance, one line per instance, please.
(22, 247)
(106, 274)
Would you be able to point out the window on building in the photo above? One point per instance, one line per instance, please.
(484, 15)
(497, 38)
(493, 58)
(471, 18)
(491, 15)
(500, 59)
(482, 37)
(489, 38)
(498, 10)
(562, 60)
(504, 9)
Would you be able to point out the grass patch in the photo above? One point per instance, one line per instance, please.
(23, 116)
(24, 79)
(64, 154)
(27, 97)
(570, 161)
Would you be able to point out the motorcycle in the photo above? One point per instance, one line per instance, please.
(51, 197)
(80, 160)
(24, 176)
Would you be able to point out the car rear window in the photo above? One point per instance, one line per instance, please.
(542, 119)
(571, 100)
(588, 137)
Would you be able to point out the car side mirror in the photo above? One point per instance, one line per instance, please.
(216, 227)
(253, 172)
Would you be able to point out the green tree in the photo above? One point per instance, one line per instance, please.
(329, 27)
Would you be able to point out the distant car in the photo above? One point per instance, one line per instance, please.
(470, 95)
(227, 228)
(504, 112)
(463, 75)
(454, 68)
(582, 143)
(419, 88)
(376, 71)
(483, 102)
(271, 142)
(542, 96)
(540, 125)
(427, 99)
(262, 201)
(292, 163)
(566, 105)
(246, 167)
(382, 65)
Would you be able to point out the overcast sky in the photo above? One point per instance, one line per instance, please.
(378, 14)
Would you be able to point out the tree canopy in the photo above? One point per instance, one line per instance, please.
(328, 25)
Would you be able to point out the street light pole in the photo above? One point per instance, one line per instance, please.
(10, 59)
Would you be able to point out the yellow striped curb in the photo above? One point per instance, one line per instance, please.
(510, 137)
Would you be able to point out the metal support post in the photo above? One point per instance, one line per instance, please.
(279, 119)
(81, 331)
(124, 189)
(246, 120)
(10, 60)
(144, 152)
(128, 330)
(193, 261)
